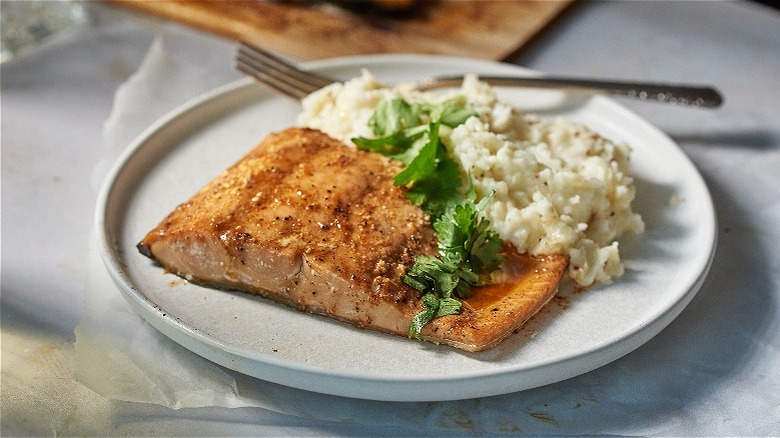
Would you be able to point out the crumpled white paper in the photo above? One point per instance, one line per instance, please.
(122, 357)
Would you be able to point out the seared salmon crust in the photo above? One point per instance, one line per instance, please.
(310, 222)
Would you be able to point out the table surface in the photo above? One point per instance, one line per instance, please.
(716, 367)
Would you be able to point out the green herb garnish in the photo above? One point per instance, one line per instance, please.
(467, 249)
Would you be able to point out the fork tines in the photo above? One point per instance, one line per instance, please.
(277, 73)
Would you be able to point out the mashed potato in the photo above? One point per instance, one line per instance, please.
(558, 187)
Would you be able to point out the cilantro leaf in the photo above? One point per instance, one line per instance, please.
(485, 251)
(399, 145)
(453, 112)
(394, 115)
(433, 307)
(389, 145)
(437, 192)
(465, 232)
(432, 274)
(424, 162)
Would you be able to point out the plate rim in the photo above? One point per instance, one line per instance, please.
(234, 358)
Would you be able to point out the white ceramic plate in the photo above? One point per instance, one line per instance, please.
(183, 151)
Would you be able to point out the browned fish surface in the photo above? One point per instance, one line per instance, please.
(310, 222)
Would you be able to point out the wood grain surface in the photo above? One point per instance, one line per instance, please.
(484, 29)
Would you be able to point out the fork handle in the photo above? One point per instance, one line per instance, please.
(707, 97)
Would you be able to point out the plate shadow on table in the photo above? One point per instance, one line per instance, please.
(747, 139)
(708, 345)
(21, 314)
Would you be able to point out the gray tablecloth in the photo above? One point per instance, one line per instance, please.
(714, 371)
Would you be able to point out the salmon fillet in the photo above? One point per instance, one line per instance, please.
(310, 222)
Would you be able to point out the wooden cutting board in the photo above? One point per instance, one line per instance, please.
(485, 29)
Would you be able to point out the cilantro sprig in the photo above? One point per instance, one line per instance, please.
(467, 252)
(467, 249)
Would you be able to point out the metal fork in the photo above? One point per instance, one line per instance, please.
(290, 80)
(277, 73)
